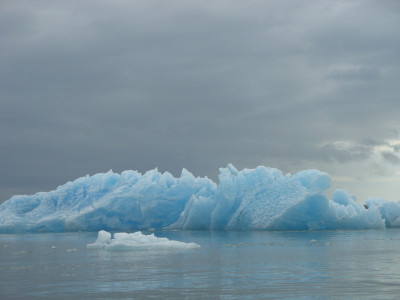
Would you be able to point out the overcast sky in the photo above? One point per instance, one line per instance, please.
(89, 86)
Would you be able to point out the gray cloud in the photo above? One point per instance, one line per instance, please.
(91, 86)
(391, 157)
(355, 73)
(331, 152)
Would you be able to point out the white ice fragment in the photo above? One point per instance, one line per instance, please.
(137, 241)
(232, 169)
(103, 238)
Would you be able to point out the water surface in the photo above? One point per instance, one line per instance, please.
(229, 265)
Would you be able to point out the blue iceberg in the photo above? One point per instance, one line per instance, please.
(252, 199)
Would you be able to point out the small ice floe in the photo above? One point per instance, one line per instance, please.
(53, 247)
(136, 241)
(234, 245)
(24, 252)
(72, 250)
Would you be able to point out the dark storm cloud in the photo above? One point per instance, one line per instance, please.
(88, 86)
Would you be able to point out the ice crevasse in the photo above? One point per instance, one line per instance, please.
(252, 199)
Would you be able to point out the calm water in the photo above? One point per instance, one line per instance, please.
(229, 265)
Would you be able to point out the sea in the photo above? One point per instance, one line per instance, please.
(359, 264)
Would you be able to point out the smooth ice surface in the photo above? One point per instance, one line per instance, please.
(136, 241)
(251, 199)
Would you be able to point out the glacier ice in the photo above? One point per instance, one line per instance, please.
(136, 241)
(251, 199)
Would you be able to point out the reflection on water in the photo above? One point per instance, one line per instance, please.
(234, 265)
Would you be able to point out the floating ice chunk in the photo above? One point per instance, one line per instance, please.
(136, 241)
(72, 250)
(103, 238)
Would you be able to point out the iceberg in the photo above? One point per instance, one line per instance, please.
(136, 241)
(251, 199)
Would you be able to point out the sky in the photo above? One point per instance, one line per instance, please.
(89, 86)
